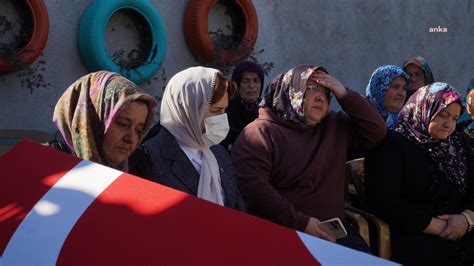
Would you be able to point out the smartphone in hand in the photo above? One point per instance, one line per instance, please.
(334, 227)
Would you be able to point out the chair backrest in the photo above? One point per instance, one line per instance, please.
(10, 137)
(379, 231)
(355, 179)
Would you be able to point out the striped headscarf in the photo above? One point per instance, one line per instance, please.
(421, 63)
(466, 123)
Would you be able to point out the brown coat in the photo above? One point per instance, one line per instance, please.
(287, 173)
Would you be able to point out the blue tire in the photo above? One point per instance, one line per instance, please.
(91, 39)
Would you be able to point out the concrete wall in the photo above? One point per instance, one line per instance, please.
(349, 37)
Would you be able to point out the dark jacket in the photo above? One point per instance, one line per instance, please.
(462, 127)
(240, 114)
(406, 189)
(59, 144)
(171, 167)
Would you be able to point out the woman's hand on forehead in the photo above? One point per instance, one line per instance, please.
(329, 82)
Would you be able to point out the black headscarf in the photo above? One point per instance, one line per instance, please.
(240, 113)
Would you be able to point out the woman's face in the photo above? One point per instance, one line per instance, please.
(444, 123)
(417, 77)
(123, 134)
(394, 98)
(250, 86)
(316, 103)
(470, 103)
(219, 107)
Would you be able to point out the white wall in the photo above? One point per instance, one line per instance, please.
(349, 37)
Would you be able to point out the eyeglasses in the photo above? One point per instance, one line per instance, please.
(317, 89)
(418, 74)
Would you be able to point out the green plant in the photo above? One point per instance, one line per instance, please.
(19, 36)
(138, 56)
(233, 42)
(31, 77)
(246, 50)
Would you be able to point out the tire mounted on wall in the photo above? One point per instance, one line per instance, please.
(197, 33)
(36, 43)
(91, 38)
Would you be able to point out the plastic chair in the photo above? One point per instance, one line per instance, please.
(356, 202)
(359, 223)
(10, 137)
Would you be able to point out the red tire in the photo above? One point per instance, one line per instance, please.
(244, 20)
(36, 43)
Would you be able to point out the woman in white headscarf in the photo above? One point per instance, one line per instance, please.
(185, 154)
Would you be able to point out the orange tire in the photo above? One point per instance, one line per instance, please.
(36, 43)
(244, 21)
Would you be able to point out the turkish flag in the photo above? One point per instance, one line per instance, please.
(59, 209)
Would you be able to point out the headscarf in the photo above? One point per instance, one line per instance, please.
(421, 63)
(421, 108)
(465, 120)
(285, 94)
(185, 103)
(378, 85)
(240, 112)
(248, 66)
(85, 111)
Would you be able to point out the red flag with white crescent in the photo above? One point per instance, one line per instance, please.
(59, 209)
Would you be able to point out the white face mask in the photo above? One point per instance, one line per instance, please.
(217, 128)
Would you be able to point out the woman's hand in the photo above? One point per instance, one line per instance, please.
(456, 228)
(313, 229)
(329, 82)
(436, 227)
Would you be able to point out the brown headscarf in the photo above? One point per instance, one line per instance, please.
(285, 94)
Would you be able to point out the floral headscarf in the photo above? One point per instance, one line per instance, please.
(421, 63)
(285, 94)
(378, 85)
(86, 109)
(421, 108)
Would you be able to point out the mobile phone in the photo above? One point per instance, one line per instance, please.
(334, 227)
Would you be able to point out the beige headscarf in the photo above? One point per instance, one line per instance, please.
(185, 103)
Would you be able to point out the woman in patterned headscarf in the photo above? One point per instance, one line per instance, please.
(419, 72)
(387, 90)
(289, 162)
(421, 181)
(102, 117)
(466, 122)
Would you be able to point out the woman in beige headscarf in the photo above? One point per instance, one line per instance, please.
(185, 154)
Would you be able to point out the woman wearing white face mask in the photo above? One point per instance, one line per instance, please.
(184, 155)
